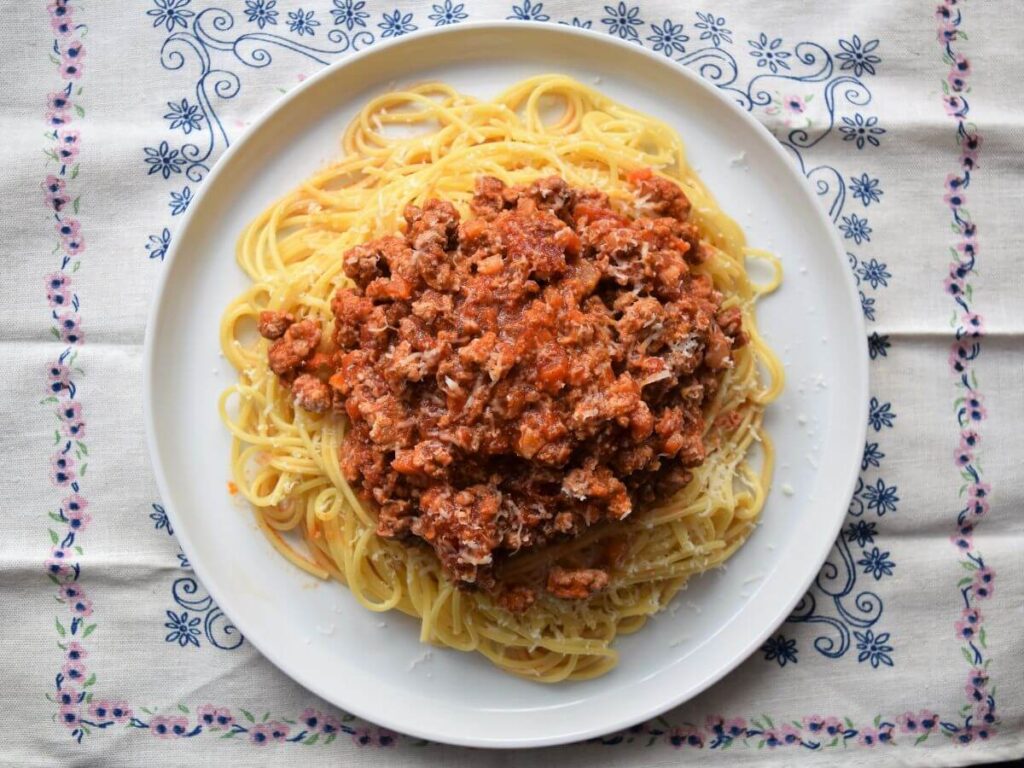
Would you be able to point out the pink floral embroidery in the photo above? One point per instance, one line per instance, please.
(75, 651)
(69, 715)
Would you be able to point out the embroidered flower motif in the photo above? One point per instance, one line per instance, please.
(329, 725)
(858, 56)
(82, 606)
(171, 14)
(780, 649)
(158, 244)
(184, 630)
(814, 723)
(873, 648)
(278, 730)
(261, 12)
(872, 456)
(865, 189)
(180, 201)
(58, 375)
(69, 715)
(386, 738)
(974, 324)
(164, 160)
(861, 130)
(99, 710)
(668, 38)
(184, 115)
(794, 104)
(62, 469)
(769, 53)
(350, 13)
(73, 671)
(872, 272)
(789, 735)
(67, 146)
(69, 328)
(528, 11)
(861, 532)
(310, 719)
(878, 346)
(713, 28)
(867, 306)
(302, 22)
(880, 414)
(856, 229)
(623, 20)
(448, 13)
(876, 563)
(880, 497)
(685, 737)
(362, 737)
(868, 737)
(396, 24)
(260, 734)
(58, 103)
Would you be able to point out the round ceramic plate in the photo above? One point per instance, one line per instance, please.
(373, 665)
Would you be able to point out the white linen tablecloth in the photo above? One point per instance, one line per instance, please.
(905, 116)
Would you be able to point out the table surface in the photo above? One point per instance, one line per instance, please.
(904, 117)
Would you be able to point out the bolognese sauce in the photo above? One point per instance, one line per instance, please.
(516, 377)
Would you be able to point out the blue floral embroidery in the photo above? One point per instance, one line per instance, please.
(183, 115)
(350, 13)
(861, 532)
(877, 563)
(668, 38)
(865, 189)
(448, 13)
(207, 618)
(261, 12)
(880, 497)
(713, 28)
(529, 12)
(872, 456)
(164, 160)
(878, 346)
(396, 24)
(578, 23)
(880, 414)
(874, 648)
(180, 201)
(160, 519)
(768, 54)
(170, 13)
(158, 244)
(858, 56)
(780, 649)
(856, 229)
(874, 273)
(861, 130)
(867, 305)
(184, 629)
(623, 20)
(302, 22)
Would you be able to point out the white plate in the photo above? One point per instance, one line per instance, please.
(322, 637)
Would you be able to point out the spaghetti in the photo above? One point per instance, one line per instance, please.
(285, 460)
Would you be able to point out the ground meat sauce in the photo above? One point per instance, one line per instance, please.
(517, 377)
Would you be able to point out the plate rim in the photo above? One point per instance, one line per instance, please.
(149, 361)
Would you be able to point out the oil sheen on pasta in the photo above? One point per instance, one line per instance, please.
(430, 141)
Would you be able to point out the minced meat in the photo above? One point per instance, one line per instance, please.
(516, 377)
